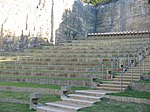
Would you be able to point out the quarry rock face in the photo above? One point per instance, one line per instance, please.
(123, 15)
(76, 23)
(52, 19)
(62, 20)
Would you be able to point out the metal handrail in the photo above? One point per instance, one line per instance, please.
(127, 67)
(124, 71)
(93, 70)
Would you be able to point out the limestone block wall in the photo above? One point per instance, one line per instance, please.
(123, 15)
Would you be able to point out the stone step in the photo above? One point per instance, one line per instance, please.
(78, 101)
(84, 97)
(110, 88)
(128, 77)
(116, 82)
(64, 105)
(113, 85)
(95, 93)
(124, 79)
(52, 109)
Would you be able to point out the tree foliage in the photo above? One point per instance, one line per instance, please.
(95, 2)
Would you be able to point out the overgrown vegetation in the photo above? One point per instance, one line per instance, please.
(107, 105)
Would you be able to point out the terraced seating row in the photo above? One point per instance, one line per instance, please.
(75, 59)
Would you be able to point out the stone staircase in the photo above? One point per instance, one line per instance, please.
(85, 98)
(74, 102)
(115, 83)
(75, 60)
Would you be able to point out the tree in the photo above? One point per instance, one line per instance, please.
(95, 2)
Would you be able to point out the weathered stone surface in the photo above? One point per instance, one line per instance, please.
(61, 20)
(141, 86)
(128, 99)
(123, 15)
(76, 23)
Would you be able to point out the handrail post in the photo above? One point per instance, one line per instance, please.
(121, 81)
(143, 66)
(112, 67)
(132, 71)
(102, 70)
(140, 67)
(135, 59)
(128, 57)
(91, 80)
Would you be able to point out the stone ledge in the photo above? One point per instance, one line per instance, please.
(119, 33)
(141, 86)
(13, 101)
(47, 81)
(129, 99)
(30, 90)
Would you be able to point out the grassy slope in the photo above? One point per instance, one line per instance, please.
(50, 86)
(113, 106)
(134, 94)
(26, 96)
(12, 107)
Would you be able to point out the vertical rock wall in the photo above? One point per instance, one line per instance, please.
(61, 20)
(123, 15)
(76, 22)
(53, 19)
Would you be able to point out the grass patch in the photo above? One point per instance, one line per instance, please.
(23, 84)
(107, 105)
(48, 86)
(15, 95)
(133, 93)
(49, 98)
(143, 81)
(147, 73)
(26, 96)
(13, 107)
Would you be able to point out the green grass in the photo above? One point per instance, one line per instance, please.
(107, 105)
(143, 81)
(133, 93)
(26, 96)
(15, 95)
(50, 86)
(49, 98)
(23, 84)
(13, 107)
(147, 73)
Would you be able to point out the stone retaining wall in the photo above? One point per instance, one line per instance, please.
(141, 86)
(30, 90)
(13, 101)
(128, 99)
(84, 83)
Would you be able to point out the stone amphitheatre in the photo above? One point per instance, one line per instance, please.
(70, 55)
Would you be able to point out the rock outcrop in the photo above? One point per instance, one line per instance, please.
(123, 15)
(62, 20)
